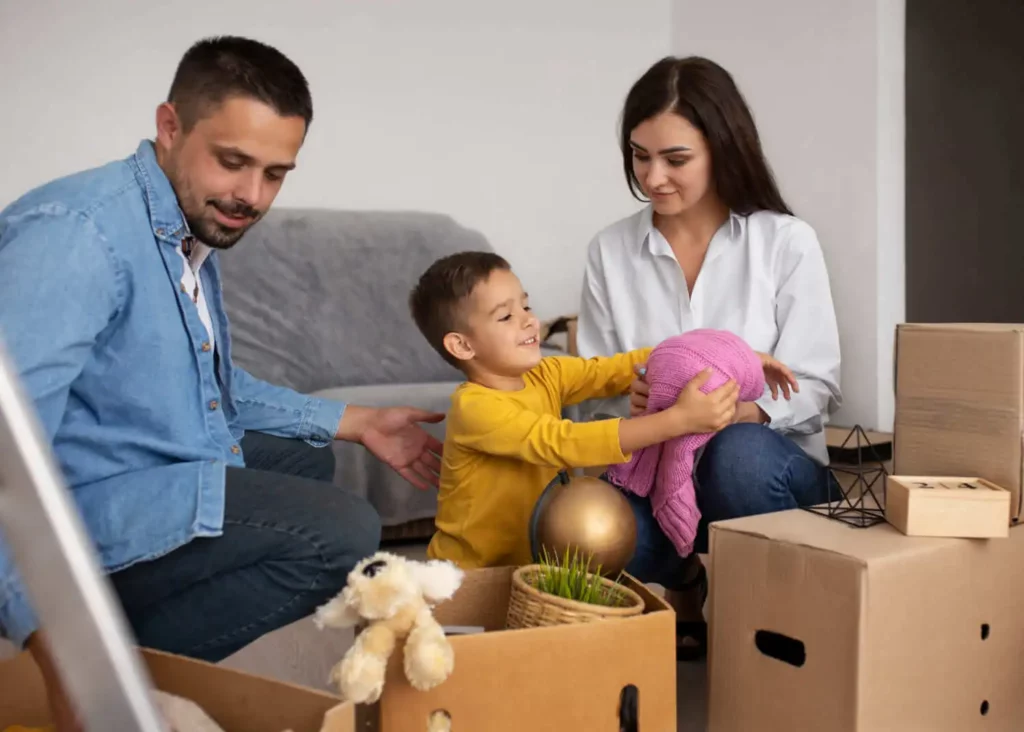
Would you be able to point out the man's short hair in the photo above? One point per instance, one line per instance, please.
(215, 69)
(436, 301)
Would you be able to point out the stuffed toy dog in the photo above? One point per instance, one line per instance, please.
(394, 597)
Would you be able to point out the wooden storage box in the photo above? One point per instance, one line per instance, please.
(972, 508)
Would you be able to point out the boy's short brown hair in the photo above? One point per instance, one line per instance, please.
(435, 301)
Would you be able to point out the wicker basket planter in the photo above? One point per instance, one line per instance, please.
(528, 607)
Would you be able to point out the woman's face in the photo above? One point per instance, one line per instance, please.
(672, 162)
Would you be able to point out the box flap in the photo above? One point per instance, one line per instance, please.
(805, 529)
(960, 403)
(235, 700)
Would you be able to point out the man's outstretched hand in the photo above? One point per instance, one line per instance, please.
(394, 436)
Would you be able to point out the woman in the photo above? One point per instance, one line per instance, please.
(717, 247)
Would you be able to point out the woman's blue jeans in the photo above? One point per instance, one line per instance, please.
(746, 469)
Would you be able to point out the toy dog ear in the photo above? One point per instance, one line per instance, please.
(438, 579)
(339, 612)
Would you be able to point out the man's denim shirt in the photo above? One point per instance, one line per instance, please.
(144, 420)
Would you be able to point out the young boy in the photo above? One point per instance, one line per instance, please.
(505, 435)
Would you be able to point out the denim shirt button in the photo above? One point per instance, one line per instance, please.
(213, 405)
(235, 449)
(206, 346)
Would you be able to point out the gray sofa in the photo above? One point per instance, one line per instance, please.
(318, 301)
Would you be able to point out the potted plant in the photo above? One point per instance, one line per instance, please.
(563, 589)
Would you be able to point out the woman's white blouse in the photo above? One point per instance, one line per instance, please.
(763, 278)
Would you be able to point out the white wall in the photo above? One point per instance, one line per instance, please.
(508, 123)
(824, 79)
(502, 115)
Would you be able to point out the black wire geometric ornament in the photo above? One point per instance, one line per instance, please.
(857, 505)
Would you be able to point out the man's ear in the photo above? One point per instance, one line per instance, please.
(168, 125)
(459, 346)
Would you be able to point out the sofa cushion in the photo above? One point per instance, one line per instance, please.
(318, 298)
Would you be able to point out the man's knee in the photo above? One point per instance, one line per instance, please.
(284, 456)
(351, 530)
(322, 463)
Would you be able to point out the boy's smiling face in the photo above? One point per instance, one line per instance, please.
(502, 335)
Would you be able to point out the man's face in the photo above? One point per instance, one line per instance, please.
(228, 169)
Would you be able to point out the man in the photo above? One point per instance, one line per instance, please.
(205, 489)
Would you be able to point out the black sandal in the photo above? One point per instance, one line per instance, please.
(695, 630)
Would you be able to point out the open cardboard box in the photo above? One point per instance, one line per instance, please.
(567, 677)
(238, 702)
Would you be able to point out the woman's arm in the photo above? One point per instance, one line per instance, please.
(808, 339)
(595, 331)
(596, 334)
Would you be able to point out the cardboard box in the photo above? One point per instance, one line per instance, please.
(947, 506)
(816, 625)
(960, 403)
(238, 702)
(569, 677)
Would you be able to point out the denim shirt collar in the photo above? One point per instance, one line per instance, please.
(165, 214)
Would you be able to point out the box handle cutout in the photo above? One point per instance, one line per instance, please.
(781, 647)
(984, 708)
(629, 709)
(984, 631)
(439, 721)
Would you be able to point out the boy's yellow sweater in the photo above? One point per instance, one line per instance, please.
(502, 448)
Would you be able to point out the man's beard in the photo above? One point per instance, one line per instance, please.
(211, 233)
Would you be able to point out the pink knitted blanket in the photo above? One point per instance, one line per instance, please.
(665, 471)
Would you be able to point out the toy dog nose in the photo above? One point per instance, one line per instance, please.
(371, 569)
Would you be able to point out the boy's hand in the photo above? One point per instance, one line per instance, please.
(778, 376)
(639, 391)
(702, 413)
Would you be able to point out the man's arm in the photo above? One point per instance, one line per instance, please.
(283, 412)
(60, 286)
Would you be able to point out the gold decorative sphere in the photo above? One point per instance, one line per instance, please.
(587, 514)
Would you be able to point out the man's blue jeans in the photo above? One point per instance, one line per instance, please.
(290, 539)
(746, 469)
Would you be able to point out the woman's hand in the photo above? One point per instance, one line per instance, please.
(703, 413)
(639, 390)
(778, 376)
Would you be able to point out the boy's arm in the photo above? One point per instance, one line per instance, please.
(596, 378)
(489, 424)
